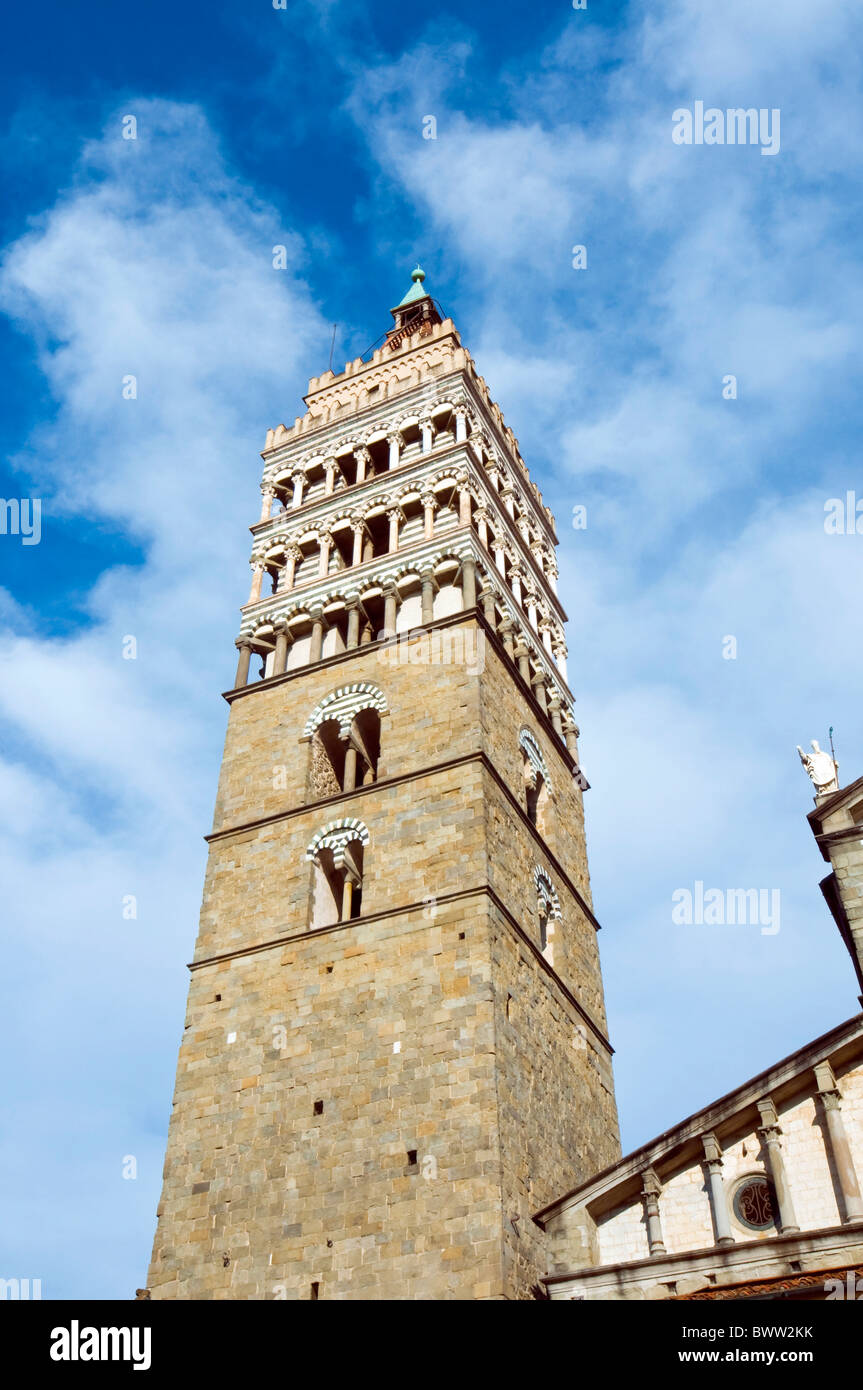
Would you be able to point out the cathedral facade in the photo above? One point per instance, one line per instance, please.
(395, 1078)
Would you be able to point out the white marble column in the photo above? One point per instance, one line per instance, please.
(257, 581)
(770, 1134)
(429, 502)
(843, 1162)
(292, 555)
(267, 499)
(651, 1187)
(358, 527)
(716, 1186)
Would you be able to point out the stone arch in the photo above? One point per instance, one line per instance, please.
(405, 421)
(444, 475)
(371, 505)
(336, 856)
(337, 836)
(344, 704)
(537, 782)
(345, 739)
(530, 747)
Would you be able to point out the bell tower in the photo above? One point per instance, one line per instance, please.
(395, 1044)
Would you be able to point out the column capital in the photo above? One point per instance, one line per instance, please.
(650, 1183)
(825, 1077)
(712, 1149)
(769, 1117)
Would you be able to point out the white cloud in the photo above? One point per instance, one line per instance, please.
(705, 515)
(155, 262)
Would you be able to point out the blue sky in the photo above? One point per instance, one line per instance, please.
(303, 127)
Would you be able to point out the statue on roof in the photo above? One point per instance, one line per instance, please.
(823, 771)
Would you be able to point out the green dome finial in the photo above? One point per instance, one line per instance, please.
(416, 291)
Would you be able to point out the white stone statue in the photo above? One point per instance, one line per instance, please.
(823, 771)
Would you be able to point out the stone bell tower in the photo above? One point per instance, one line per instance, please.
(395, 1046)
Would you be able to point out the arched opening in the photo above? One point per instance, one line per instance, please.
(411, 442)
(335, 638)
(443, 419)
(379, 458)
(342, 547)
(536, 797)
(345, 736)
(336, 854)
(410, 609)
(372, 616)
(308, 563)
(376, 539)
(300, 647)
(547, 911)
(446, 515)
(316, 481)
(537, 789)
(412, 528)
(327, 891)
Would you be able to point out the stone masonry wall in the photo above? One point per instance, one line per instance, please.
(263, 1197)
(456, 1085)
